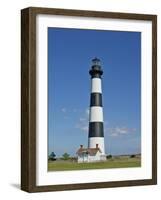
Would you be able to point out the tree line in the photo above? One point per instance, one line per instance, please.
(53, 156)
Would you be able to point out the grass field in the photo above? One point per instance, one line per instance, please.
(110, 163)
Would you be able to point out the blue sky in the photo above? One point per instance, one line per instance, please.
(69, 59)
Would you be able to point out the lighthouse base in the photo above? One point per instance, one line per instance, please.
(94, 142)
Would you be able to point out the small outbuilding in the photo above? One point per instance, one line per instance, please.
(90, 154)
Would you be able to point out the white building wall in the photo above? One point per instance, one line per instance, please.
(88, 158)
(82, 158)
(95, 157)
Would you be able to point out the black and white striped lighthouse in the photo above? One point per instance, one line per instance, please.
(96, 130)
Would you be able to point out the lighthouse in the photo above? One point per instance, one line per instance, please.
(96, 129)
(95, 152)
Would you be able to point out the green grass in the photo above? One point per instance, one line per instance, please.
(110, 163)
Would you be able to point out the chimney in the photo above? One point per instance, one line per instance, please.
(97, 146)
(81, 146)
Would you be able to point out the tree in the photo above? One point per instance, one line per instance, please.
(66, 156)
(52, 156)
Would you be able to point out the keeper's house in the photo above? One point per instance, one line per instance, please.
(90, 154)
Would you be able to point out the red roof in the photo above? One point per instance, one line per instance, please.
(90, 151)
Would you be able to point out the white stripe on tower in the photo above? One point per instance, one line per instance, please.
(96, 114)
(96, 85)
(96, 130)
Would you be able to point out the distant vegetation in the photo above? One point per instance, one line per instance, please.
(109, 156)
(65, 156)
(133, 156)
(52, 156)
(121, 156)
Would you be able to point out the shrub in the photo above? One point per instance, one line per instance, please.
(109, 156)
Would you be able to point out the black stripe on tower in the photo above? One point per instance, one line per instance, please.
(96, 71)
(96, 75)
(96, 129)
(96, 99)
